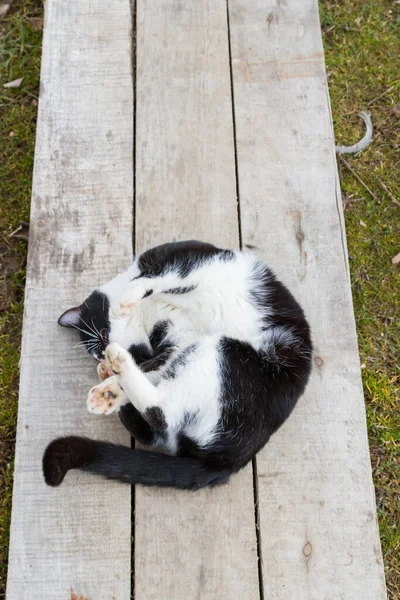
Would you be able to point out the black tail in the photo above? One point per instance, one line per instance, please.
(127, 465)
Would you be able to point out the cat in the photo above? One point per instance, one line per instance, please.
(202, 351)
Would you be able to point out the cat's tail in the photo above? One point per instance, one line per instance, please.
(127, 465)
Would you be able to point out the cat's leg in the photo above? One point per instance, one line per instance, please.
(144, 396)
(140, 391)
(137, 426)
(129, 416)
(104, 372)
(105, 398)
(135, 291)
(140, 289)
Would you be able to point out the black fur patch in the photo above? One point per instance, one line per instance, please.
(182, 256)
(158, 336)
(162, 348)
(180, 361)
(154, 356)
(156, 418)
(257, 396)
(180, 290)
(137, 426)
(156, 362)
(140, 353)
(187, 447)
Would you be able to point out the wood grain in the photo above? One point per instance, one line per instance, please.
(188, 545)
(317, 508)
(76, 537)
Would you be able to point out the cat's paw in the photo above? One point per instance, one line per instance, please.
(103, 371)
(105, 398)
(121, 311)
(129, 299)
(117, 358)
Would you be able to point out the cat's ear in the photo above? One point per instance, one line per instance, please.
(71, 317)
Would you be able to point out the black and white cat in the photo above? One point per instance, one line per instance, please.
(202, 351)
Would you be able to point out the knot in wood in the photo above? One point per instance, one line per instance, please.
(318, 361)
(307, 549)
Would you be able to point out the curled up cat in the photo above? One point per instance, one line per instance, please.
(202, 352)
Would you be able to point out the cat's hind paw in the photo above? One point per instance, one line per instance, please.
(105, 398)
(103, 371)
(117, 358)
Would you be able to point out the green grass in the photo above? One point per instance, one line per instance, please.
(20, 51)
(362, 49)
(362, 46)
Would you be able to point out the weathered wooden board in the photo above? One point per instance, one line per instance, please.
(76, 537)
(317, 509)
(188, 545)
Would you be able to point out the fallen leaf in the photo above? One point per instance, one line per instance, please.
(75, 597)
(4, 8)
(37, 23)
(362, 223)
(22, 231)
(14, 84)
(396, 259)
(34, 102)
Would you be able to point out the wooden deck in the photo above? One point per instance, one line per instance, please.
(231, 142)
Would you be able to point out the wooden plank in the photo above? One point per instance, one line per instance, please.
(76, 537)
(188, 545)
(317, 508)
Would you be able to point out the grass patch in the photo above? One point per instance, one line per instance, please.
(362, 46)
(362, 49)
(20, 51)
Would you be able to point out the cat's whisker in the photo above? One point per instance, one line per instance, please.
(85, 348)
(80, 344)
(89, 343)
(86, 332)
(94, 343)
(96, 333)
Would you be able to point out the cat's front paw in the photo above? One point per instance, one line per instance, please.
(105, 398)
(122, 310)
(116, 358)
(129, 299)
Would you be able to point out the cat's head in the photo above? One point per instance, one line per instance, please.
(92, 321)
